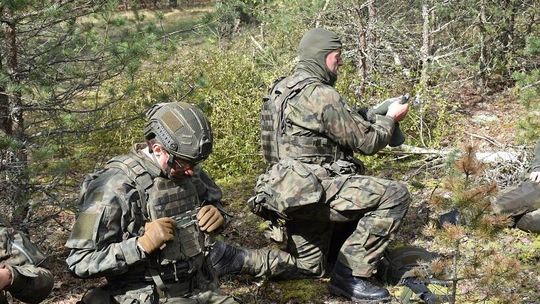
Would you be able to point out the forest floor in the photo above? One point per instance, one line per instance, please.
(486, 120)
(489, 124)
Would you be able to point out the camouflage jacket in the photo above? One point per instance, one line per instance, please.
(320, 110)
(31, 281)
(103, 240)
(536, 161)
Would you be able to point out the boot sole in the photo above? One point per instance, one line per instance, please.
(340, 292)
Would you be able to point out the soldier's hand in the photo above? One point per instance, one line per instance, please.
(209, 218)
(397, 111)
(156, 233)
(5, 278)
(535, 176)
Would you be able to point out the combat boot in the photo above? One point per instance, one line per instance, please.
(226, 259)
(358, 289)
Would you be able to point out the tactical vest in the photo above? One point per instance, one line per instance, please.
(276, 144)
(160, 197)
(142, 180)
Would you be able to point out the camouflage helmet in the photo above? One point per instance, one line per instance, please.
(182, 129)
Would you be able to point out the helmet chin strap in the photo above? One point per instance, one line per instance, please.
(170, 162)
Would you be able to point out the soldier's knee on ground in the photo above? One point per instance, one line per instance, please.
(519, 200)
(530, 222)
(311, 268)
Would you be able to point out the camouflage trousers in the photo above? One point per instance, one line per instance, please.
(523, 203)
(146, 294)
(377, 207)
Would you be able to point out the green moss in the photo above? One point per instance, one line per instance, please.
(528, 252)
(296, 291)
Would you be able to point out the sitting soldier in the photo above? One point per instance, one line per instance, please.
(144, 219)
(523, 202)
(22, 268)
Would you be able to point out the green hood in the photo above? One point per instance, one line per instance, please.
(312, 51)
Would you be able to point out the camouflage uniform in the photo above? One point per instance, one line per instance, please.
(103, 242)
(31, 281)
(316, 182)
(523, 201)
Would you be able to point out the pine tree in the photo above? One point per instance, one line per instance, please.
(472, 260)
(54, 58)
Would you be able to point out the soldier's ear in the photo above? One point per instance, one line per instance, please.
(157, 149)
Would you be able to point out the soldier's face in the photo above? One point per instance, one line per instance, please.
(178, 168)
(333, 61)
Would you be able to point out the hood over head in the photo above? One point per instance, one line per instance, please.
(314, 46)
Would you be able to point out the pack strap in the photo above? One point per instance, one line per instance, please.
(287, 94)
(136, 174)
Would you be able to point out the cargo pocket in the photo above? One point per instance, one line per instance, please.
(358, 193)
(379, 226)
(292, 185)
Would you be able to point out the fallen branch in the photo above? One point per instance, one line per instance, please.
(486, 138)
(485, 156)
(504, 167)
(257, 44)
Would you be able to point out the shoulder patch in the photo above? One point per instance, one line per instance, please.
(84, 232)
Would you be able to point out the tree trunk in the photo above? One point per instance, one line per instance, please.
(319, 16)
(482, 60)
(424, 50)
(173, 3)
(361, 63)
(370, 36)
(506, 36)
(4, 109)
(13, 125)
(510, 32)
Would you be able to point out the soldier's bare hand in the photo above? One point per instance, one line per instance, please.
(209, 218)
(156, 233)
(535, 176)
(397, 111)
(5, 278)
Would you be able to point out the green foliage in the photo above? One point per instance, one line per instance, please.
(528, 253)
(487, 266)
(295, 291)
(9, 143)
(233, 107)
(527, 89)
(66, 51)
(532, 46)
(528, 93)
(229, 15)
(224, 93)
